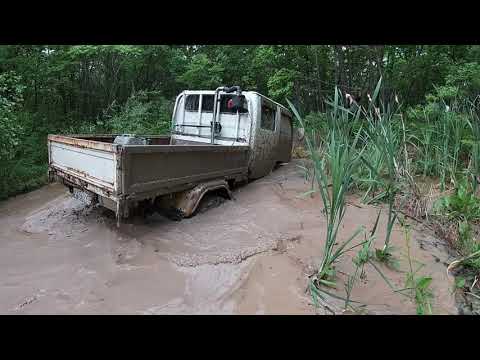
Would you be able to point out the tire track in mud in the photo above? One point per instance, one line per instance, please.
(233, 257)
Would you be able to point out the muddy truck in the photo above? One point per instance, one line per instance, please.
(218, 139)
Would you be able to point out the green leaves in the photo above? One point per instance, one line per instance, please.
(464, 78)
(459, 282)
(143, 113)
(95, 50)
(202, 73)
(280, 84)
(375, 95)
(421, 293)
(462, 205)
(11, 97)
(334, 170)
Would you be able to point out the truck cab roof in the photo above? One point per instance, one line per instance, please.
(212, 92)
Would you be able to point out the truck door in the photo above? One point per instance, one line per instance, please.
(266, 140)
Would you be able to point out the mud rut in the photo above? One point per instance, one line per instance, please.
(251, 255)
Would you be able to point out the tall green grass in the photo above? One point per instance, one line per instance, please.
(441, 140)
(474, 163)
(334, 174)
(417, 287)
(386, 137)
(382, 151)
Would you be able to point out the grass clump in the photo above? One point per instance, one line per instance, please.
(417, 287)
(383, 164)
(462, 205)
(333, 174)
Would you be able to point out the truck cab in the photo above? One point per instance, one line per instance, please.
(259, 123)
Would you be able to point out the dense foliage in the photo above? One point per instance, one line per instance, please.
(432, 156)
(131, 88)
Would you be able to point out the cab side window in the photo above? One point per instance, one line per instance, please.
(207, 103)
(224, 99)
(285, 127)
(208, 100)
(268, 118)
(191, 102)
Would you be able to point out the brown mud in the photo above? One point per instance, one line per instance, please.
(251, 255)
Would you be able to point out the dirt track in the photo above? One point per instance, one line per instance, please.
(247, 256)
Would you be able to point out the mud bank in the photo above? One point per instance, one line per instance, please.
(251, 255)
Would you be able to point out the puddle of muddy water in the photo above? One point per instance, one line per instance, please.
(246, 256)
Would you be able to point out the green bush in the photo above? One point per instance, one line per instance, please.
(23, 161)
(11, 92)
(20, 176)
(315, 121)
(466, 78)
(26, 168)
(24, 153)
(462, 205)
(143, 113)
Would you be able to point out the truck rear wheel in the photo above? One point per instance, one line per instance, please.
(211, 200)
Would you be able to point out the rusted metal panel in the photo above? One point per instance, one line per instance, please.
(156, 167)
(86, 164)
(83, 143)
(92, 140)
(90, 164)
(135, 172)
(190, 149)
(148, 186)
(108, 203)
(186, 202)
(72, 179)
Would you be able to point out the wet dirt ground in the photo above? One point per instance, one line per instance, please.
(251, 255)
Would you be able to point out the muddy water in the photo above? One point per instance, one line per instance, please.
(247, 256)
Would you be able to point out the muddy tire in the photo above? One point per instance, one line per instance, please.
(173, 214)
(209, 201)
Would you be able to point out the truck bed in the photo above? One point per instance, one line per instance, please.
(121, 175)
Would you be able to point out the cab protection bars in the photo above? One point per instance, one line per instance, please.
(216, 100)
